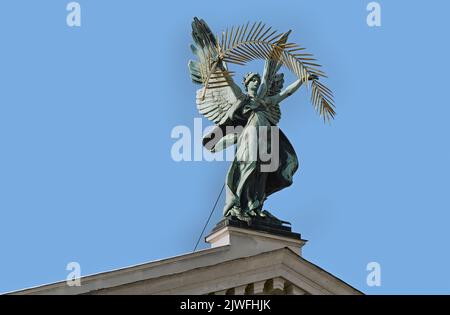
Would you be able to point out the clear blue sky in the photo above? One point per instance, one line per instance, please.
(86, 114)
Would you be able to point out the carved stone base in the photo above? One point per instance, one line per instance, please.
(259, 236)
(259, 224)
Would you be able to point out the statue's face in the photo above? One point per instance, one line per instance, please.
(253, 85)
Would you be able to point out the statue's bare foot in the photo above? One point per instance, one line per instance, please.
(232, 212)
(244, 217)
(239, 214)
(262, 214)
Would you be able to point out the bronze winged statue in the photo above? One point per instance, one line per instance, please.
(256, 110)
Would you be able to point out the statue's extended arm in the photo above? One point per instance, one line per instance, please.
(291, 89)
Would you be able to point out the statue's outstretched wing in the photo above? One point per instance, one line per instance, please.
(216, 103)
(219, 92)
(205, 48)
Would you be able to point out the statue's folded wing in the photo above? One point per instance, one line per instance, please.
(273, 112)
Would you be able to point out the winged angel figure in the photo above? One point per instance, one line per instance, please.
(256, 109)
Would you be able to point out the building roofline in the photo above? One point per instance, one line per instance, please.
(126, 269)
(147, 265)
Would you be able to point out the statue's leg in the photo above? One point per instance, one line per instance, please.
(257, 191)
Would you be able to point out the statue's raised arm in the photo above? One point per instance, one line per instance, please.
(291, 89)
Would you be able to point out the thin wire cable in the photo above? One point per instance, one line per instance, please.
(209, 218)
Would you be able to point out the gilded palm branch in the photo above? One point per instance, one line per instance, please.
(242, 44)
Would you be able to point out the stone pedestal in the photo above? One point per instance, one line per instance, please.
(257, 237)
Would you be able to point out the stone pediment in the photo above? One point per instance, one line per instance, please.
(275, 272)
(241, 261)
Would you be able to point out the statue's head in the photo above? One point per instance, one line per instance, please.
(252, 80)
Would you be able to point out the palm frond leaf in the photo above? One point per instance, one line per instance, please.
(245, 43)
